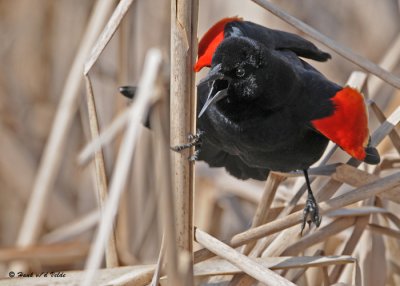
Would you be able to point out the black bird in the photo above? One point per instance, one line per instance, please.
(262, 108)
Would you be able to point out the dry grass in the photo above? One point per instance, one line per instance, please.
(121, 207)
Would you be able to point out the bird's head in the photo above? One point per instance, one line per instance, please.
(233, 72)
(244, 70)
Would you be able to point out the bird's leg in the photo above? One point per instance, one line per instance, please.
(194, 140)
(311, 212)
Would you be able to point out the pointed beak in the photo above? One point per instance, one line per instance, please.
(218, 83)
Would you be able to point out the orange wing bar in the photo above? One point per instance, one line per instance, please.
(348, 125)
(210, 41)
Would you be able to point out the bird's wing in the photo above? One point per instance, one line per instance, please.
(274, 39)
(348, 125)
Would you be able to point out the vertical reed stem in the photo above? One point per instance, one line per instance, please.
(101, 178)
(182, 107)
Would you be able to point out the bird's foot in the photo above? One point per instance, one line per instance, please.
(194, 140)
(195, 156)
(195, 137)
(310, 213)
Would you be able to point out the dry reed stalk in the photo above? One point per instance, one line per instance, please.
(122, 228)
(219, 266)
(133, 279)
(290, 237)
(357, 80)
(358, 211)
(280, 241)
(351, 244)
(144, 205)
(104, 38)
(349, 198)
(111, 27)
(140, 275)
(371, 255)
(356, 178)
(120, 173)
(166, 204)
(208, 210)
(326, 276)
(393, 135)
(353, 176)
(51, 158)
(72, 229)
(386, 127)
(384, 230)
(320, 235)
(149, 211)
(259, 218)
(100, 170)
(394, 219)
(182, 110)
(104, 137)
(392, 252)
(389, 62)
(265, 242)
(296, 274)
(157, 272)
(185, 268)
(194, 17)
(194, 43)
(341, 50)
(47, 254)
(255, 270)
(123, 51)
(262, 210)
(274, 245)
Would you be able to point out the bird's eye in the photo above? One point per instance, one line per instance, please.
(240, 72)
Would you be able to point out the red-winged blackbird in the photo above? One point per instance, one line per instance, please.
(261, 107)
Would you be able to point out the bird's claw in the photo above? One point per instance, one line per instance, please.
(194, 140)
(311, 213)
(195, 156)
(195, 137)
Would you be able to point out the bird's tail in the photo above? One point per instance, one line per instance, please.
(372, 156)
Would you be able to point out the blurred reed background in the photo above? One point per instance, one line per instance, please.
(39, 41)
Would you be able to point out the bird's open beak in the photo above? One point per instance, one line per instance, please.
(219, 84)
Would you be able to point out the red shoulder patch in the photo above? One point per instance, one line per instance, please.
(210, 41)
(348, 125)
